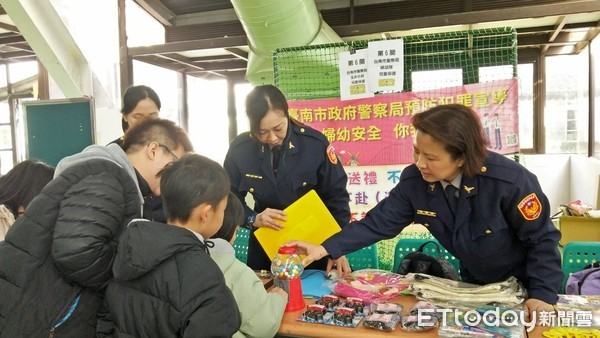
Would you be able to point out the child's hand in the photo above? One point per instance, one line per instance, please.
(279, 291)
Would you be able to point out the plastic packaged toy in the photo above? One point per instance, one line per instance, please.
(371, 285)
(344, 316)
(315, 313)
(387, 308)
(412, 323)
(329, 301)
(358, 304)
(382, 322)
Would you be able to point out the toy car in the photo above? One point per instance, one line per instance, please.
(329, 301)
(358, 304)
(314, 313)
(344, 315)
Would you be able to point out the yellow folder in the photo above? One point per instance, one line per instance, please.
(308, 220)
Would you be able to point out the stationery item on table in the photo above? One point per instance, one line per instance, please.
(314, 283)
(382, 322)
(308, 220)
(443, 291)
(416, 323)
(387, 308)
(371, 285)
(422, 305)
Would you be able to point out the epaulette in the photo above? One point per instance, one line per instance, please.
(501, 170)
(242, 138)
(301, 129)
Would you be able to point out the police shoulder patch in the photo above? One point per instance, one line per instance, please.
(331, 154)
(530, 207)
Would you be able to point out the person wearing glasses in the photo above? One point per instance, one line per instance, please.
(18, 187)
(278, 161)
(139, 104)
(487, 210)
(57, 258)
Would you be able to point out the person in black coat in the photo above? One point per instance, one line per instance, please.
(485, 209)
(166, 284)
(57, 258)
(279, 161)
(139, 104)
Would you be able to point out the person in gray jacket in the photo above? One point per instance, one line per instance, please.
(56, 260)
(261, 311)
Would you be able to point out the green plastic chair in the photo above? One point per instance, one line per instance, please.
(365, 258)
(241, 244)
(408, 245)
(576, 256)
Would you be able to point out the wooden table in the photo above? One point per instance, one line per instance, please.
(290, 327)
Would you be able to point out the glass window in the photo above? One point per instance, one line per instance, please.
(241, 91)
(595, 46)
(142, 28)
(436, 79)
(566, 108)
(525, 72)
(165, 84)
(208, 121)
(22, 70)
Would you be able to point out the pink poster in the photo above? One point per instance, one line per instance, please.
(377, 130)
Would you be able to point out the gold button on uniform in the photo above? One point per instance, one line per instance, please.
(488, 231)
(251, 190)
(426, 225)
(301, 130)
(304, 184)
(483, 169)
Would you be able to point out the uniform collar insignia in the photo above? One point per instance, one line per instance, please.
(468, 189)
(432, 187)
(262, 149)
(291, 145)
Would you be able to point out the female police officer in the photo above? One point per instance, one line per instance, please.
(500, 226)
(279, 161)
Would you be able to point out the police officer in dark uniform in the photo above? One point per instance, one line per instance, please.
(485, 209)
(279, 161)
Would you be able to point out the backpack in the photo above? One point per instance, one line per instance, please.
(584, 282)
(420, 262)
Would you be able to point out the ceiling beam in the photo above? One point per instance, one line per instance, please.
(561, 38)
(591, 34)
(238, 53)
(11, 39)
(158, 11)
(182, 46)
(223, 66)
(8, 27)
(471, 18)
(562, 20)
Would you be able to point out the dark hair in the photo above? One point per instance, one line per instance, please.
(165, 132)
(234, 217)
(189, 182)
(260, 101)
(133, 95)
(457, 127)
(23, 182)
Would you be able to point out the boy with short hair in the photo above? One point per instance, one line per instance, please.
(261, 311)
(165, 283)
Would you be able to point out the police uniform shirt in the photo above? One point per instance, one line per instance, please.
(307, 161)
(502, 225)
